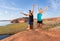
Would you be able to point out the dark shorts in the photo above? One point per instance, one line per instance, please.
(40, 22)
(30, 23)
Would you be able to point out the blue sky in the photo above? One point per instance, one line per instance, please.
(10, 9)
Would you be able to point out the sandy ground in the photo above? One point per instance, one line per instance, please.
(36, 35)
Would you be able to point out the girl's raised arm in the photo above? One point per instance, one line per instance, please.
(45, 9)
(37, 7)
(33, 8)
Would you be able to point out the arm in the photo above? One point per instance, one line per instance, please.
(23, 13)
(37, 7)
(32, 9)
(45, 9)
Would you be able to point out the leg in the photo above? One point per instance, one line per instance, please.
(28, 26)
(31, 26)
(40, 25)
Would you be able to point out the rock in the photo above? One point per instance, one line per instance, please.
(33, 35)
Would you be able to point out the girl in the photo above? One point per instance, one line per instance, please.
(30, 14)
(39, 16)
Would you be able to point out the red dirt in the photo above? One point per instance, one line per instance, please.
(39, 35)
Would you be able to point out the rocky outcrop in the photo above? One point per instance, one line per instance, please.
(18, 20)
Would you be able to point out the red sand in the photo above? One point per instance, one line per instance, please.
(39, 35)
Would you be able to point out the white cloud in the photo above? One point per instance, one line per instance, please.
(1, 0)
(11, 8)
(9, 5)
(6, 12)
(13, 3)
(55, 4)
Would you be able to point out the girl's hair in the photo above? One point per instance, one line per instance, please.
(40, 9)
(30, 12)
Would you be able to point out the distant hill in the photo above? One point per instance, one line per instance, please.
(5, 20)
(25, 19)
(58, 18)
